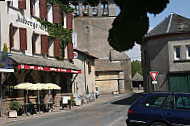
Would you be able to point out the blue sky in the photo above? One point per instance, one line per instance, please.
(181, 7)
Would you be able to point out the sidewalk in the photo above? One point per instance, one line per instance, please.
(101, 99)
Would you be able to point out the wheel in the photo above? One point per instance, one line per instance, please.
(158, 124)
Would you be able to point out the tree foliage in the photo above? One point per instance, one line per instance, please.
(136, 67)
(132, 23)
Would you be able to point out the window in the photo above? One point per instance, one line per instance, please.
(76, 9)
(95, 11)
(50, 13)
(183, 102)
(188, 52)
(170, 103)
(154, 101)
(85, 8)
(87, 30)
(177, 53)
(105, 10)
(13, 4)
(35, 8)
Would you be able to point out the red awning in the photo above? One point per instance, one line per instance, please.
(32, 67)
(42, 64)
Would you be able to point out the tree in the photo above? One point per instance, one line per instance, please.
(136, 67)
(132, 23)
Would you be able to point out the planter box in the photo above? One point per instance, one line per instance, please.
(12, 114)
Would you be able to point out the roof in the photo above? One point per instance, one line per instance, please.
(86, 53)
(137, 77)
(107, 65)
(174, 23)
(117, 56)
(30, 60)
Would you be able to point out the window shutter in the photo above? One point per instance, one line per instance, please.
(70, 50)
(43, 9)
(11, 35)
(56, 47)
(31, 7)
(44, 44)
(56, 14)
(34, 42)
(89, 67)
(22, 4)
(69, 20)
(23, 38)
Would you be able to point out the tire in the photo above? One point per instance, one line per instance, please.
(158, 124)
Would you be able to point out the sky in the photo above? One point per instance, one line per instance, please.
(181, 7)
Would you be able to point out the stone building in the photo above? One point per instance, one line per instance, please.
(166, 49)
(91, 26)
(84, 84)
(34, 54)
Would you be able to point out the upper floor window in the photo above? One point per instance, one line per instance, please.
(76, 9)
(35, 8)
(13, 3)
(50, 13)
(95, 11)
(85, 8)
(105, 9)
(188, 52)
(177, 53)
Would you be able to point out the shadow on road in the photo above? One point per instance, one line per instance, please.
(129, 100)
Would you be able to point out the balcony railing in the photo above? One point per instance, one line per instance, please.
(5, 60)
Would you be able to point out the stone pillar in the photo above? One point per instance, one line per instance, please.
(99, 6)
(80, 9)
(121, 86)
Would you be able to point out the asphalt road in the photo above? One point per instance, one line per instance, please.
(112, 113)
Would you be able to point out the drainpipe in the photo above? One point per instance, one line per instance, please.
(85, 73)
(0, 73)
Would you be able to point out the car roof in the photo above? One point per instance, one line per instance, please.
(167, 93)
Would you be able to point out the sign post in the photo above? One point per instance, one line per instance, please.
(154, 75)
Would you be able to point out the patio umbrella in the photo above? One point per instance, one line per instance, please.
(38, 87)
(24, 86)
(51, 86)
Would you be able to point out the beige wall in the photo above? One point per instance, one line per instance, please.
(107, 82)
(10, 15)
(78, 87)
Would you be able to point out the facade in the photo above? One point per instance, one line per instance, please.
(84, 84)
(166, 49)
(91, 26)
(33, 53)
(113, 74)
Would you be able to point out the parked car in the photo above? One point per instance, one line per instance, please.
(160, 109)
(96, 91)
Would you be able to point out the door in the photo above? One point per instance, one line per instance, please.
(178, 113)
(180, 83)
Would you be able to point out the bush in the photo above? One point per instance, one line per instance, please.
(73, 102)
(14, 105)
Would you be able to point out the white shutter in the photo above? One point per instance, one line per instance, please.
(65, 20)
(37, 8)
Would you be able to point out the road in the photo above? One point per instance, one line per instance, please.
(112, 113)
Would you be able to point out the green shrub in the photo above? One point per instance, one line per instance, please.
(14, 105)
(73, 102)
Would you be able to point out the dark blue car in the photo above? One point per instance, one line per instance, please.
(160, 109)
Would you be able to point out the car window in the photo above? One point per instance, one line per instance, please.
(183, 102)
(154, 101)
(170, 103)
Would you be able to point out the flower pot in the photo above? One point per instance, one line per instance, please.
(12, 114)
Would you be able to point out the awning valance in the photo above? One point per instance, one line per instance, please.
(42, 64)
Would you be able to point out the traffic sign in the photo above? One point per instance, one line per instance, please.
(154, 75)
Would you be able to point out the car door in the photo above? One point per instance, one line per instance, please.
(177, 110)
(150, 109)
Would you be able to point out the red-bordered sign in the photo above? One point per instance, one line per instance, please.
(22, 66)
(154, 75)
